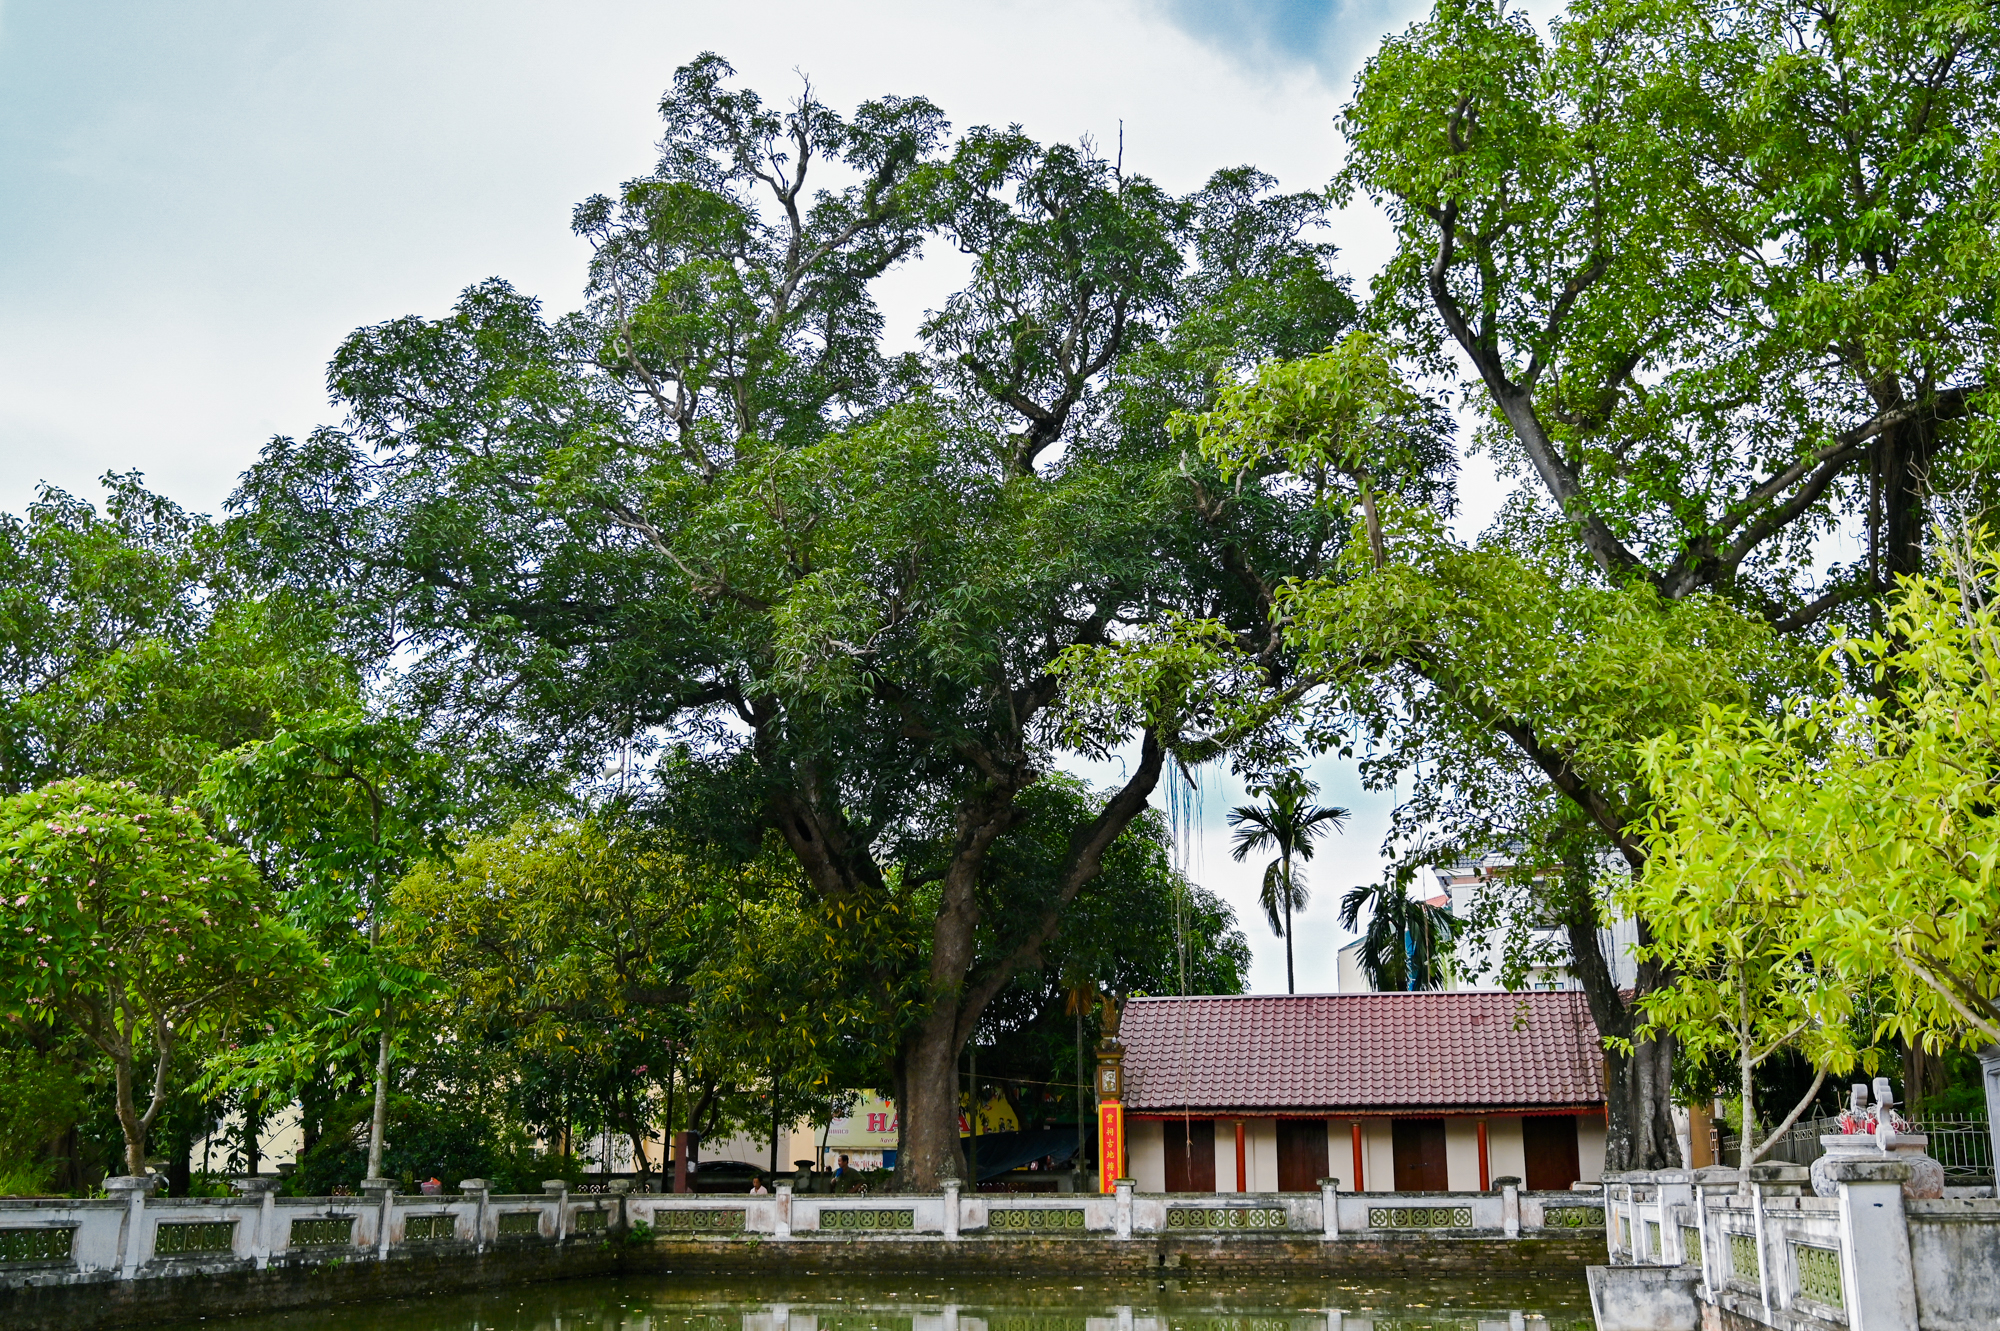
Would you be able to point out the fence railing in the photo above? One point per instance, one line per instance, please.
(131, 1234)
(1760, 1246)
(1960, 1142)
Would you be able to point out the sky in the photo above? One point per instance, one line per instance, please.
(198, 200)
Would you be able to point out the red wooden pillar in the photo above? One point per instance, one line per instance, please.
(1484, 1179)
(1359, 1185)
(1242, 1175)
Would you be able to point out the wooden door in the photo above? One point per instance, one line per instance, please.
(1190, 1154)
(1419, 1152)
(1301, 1154)
(1549, 1141)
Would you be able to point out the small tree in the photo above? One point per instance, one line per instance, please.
(340, 804)
(1289, 822)
(1734, 909)
(1860, 830)
(124, 917)
(1408, 943)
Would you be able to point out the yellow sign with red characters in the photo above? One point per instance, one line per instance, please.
(1110, 1144)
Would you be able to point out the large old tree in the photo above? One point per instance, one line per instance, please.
(710, 511)
(1720, 279)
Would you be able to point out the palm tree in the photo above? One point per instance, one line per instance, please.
(1291, 822)
(1408, 943)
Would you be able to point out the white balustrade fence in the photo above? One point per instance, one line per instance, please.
(1762, 1246)
(131, 1234)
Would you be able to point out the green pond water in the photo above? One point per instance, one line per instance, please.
(910, 1303)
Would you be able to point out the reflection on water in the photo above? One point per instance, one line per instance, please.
(912, 1303)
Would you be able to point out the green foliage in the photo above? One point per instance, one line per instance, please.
(709, 512)
(429, 1137)
(1721, 275)
(127, 920)
(1407, 944)
(1699, 256)
(41, 1097)
(1863, 822)
(337, 805)
(128, 649)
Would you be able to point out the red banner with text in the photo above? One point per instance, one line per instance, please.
(1110, 1144)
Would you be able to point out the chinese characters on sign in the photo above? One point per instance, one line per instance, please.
(1110, 1144)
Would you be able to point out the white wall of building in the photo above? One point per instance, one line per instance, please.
(1590, 1147)
(1461, 1154)
(1506, 1149)
(1146, 1153)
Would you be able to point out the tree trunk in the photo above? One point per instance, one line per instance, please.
(1639, 1122)
(929, 1150)
(378, 1122)
(1291, 982)
(1904, 460)
(128, 1118)
(930, 1053)
(253, 1128)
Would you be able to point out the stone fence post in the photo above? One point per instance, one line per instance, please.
(265, 1191)
(1122, 1215)
(1329, 1208)
(133, 1188)
(782, 1229)
(557, 1190)
(1673, 1187)
(1510, 1210)
(1876, 1273)
(384, 1194)
(621, 1190)
(479, 1190)
(1720, 1181)
(951, 1210)
(1771, 1179)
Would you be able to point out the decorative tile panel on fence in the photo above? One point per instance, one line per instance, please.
(1743, 1263)
(1227, 1217)
(1653, 1251)
(1572, 1217)
(1420, 1217)
(592, 1222)
(1819, 1273)
(868, 1219)
(520, 1224)
(326, 1232)
(170, 1240)
(43, 1243)
(1022, 1218)
(698, 1222)
(429, 1229)
(1691, 1244)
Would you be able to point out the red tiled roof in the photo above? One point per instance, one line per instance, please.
(1355, 1053)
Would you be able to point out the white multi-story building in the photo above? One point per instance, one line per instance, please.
(1464, 887)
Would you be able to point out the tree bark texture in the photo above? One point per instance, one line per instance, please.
(378, 1122)
(929, 1056)
(1639, 1123)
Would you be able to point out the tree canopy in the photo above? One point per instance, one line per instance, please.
(709, 511)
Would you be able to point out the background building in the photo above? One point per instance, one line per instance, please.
(1393, 1091)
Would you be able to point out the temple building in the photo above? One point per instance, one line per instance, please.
(1404, 1092)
